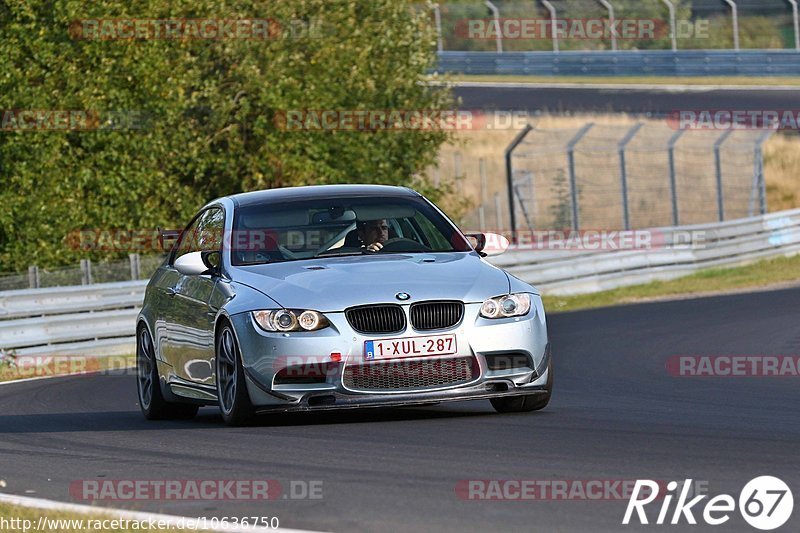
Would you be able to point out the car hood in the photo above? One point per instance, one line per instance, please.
(336, 283)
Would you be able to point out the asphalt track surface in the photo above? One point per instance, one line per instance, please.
(616, 414)
(655, 102)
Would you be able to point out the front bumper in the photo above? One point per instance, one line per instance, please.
(265, 354)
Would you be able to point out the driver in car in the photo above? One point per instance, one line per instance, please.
(373, 233)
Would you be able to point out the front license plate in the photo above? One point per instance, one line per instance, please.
(410, 347)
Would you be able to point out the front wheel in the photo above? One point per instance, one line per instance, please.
(234, 402)
(528, 403)
(151, 401)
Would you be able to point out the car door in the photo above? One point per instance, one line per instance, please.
(189, 346)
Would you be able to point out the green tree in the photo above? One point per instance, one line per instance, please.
(212, 110)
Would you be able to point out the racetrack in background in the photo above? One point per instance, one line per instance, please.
(657, 102)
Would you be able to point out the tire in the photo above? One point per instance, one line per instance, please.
(234, 402)
(528, 403)
(151, 401)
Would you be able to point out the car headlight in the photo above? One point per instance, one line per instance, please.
(506, 306)
(285, 320)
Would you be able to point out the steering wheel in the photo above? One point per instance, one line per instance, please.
(401, 244)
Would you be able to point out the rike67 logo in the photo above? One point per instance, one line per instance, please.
(765, 503)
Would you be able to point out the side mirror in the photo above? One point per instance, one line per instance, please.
(212, 259)
(488, 244)
(198, 263)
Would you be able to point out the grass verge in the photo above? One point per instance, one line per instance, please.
(769, 273)
(34, 366)
(26, 519)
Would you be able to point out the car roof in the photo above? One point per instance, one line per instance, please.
(318, 191)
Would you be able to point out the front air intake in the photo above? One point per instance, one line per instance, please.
(428, 316)
(410, 374)
(377, 319)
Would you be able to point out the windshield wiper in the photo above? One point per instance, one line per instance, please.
(262, 262)
(338, 254)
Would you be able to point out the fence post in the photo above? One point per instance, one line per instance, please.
(735, 15)
(611, 19)
(457, 170)
(33, 277)
(718, 164)
(498, 211)
(672, 24)
(673, 184)
(796, 19)
(484, 193)
(759, 183)
(623, 173)
(521, 199)
(135, 266)
(86, 271)
(510, 178)
(484, 180)
(573, 181)
(437, 18)
(553, 24)
(496, 15)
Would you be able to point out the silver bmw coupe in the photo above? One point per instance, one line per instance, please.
(331, 297)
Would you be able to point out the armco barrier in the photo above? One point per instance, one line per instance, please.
(100, 319)
(85, 319)
(625, 63)
(729, 243)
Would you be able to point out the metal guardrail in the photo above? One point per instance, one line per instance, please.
(72, 299)
(625, 63)
(85, 319)
(731, 243)
(100, 319)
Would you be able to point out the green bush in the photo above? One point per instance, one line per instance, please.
(210, 109)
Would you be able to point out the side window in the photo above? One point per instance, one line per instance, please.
(204, 234)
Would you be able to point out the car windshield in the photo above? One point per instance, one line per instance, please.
(328, 227)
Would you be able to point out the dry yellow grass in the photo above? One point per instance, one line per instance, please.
(25, 519)
(781, 156)
(782, 162)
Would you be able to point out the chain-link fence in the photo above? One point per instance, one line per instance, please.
(136, 267)
(622, 177)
